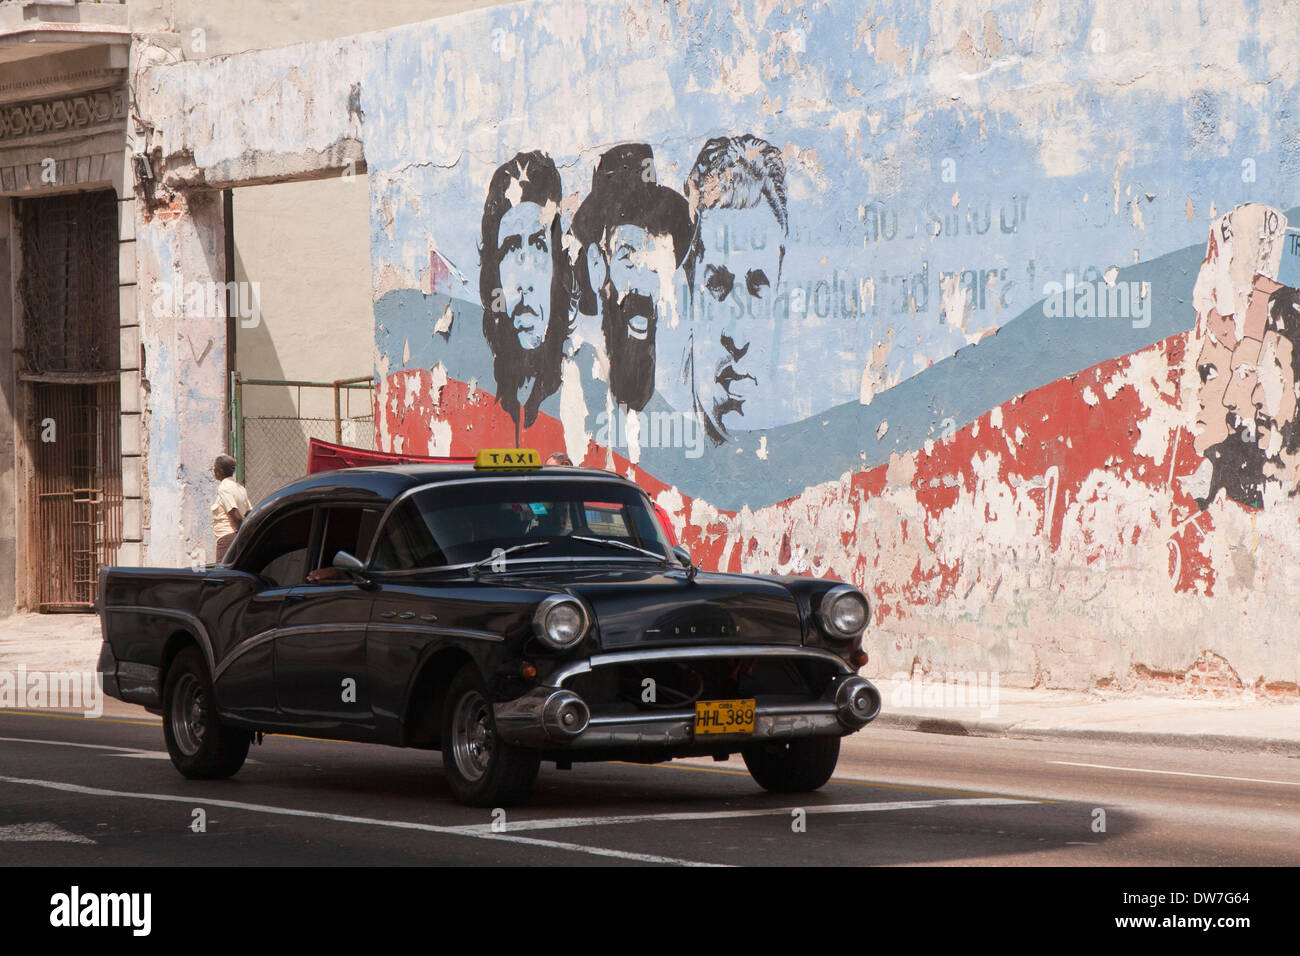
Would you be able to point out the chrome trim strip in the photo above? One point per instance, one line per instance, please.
(677, 729)
(346, 626)
(522, 476)
(443, 631)
(613, 658)
(261, 637)
(201, 631)
(818, 707)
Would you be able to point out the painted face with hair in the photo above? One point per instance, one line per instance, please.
(735, 285)
(524, 245)
(737, 188)
(1213, 364)
(1276, 397)
(637, 266)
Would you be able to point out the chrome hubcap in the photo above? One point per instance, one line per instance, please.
(472, 736)
(188, 715)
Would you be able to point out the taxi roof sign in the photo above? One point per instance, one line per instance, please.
(507, 459)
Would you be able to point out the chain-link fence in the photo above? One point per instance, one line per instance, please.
(273, 421)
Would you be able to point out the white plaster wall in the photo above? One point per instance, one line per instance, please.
(306, 249)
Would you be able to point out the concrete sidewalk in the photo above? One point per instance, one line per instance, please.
(70, 642)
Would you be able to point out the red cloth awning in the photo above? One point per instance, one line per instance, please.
(326, 456)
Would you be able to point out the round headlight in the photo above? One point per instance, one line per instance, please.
(843, 612)
(560, 621)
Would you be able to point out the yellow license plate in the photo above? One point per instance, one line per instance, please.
(724, 717)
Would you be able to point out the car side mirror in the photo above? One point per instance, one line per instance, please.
(352, 565)
(682, 555)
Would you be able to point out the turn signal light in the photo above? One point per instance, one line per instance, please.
(859, 658)
(528, 671)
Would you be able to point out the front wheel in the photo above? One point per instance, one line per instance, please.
(792, 766)
(201, 747)
(482, 770)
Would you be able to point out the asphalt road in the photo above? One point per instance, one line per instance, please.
(79, 792)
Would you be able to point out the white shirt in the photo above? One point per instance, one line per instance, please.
(230, 494)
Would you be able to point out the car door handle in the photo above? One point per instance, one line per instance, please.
(406, 615)
(388, 614)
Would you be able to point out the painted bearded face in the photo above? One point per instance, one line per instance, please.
(1274, 398)
(637, 267)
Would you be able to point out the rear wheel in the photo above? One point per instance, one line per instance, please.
(482, 770)
(201, 747)
(792, 766)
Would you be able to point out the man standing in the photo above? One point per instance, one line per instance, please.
(634, 234)
(231, 507)
(525, 283)
(737, 193)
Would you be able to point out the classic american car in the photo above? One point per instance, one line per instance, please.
(501, 612)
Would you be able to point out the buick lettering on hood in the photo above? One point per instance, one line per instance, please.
(501, 612)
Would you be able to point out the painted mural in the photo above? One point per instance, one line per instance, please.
(843, 316)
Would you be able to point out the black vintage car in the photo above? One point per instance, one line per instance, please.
(504, 617)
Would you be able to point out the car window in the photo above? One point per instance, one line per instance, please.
(346, 528)
(280, 551)
(465, 523)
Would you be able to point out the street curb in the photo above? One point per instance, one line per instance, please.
(982, 728)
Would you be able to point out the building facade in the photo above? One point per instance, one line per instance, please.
(986, 308)
(83, 422)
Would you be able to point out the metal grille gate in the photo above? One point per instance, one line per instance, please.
(77, 490)
(68, 289)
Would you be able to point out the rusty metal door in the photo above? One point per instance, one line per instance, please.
(77, 490)
(68, 290)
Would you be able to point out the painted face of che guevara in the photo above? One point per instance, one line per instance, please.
(734, 290)
(524, 244)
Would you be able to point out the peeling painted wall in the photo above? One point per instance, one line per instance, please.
(948, 343)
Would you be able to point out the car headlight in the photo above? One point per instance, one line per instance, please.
(843, 612)
(560, 621)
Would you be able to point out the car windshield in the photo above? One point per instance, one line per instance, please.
(461, 524)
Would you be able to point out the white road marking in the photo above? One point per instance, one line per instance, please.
(1178, 773)
(558, 823)
(135, 752)
(40, 833)
(69, 743)
(342, 818)
(153, 755)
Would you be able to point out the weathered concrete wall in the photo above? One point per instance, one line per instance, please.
(305, 249)
(922, 395)
(919, 302)
(180, 247)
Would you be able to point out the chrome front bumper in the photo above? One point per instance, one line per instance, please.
(553, 717)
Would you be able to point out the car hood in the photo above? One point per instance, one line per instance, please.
(665, 607)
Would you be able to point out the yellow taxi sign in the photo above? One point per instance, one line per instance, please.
(507, 459)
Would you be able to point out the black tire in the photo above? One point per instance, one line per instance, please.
(201, 747)
(792, 766)
(482, 771)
